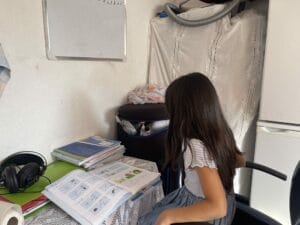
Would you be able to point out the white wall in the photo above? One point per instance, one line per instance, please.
(47, 104)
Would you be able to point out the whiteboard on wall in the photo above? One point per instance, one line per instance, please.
(85, 29)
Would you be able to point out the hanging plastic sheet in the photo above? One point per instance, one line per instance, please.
(4, 71)
(229, 51)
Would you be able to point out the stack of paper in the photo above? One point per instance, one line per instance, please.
(90, 152)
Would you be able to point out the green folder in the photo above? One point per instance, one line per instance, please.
(54, 171)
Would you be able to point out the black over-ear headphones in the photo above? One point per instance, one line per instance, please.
(22, 169)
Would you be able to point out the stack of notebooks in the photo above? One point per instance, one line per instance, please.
(91, 152)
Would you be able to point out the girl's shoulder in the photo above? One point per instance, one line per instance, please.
(196, 143)
(197, 155)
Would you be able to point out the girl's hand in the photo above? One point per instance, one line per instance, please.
(163, 219)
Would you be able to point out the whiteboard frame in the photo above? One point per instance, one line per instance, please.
(52, 56)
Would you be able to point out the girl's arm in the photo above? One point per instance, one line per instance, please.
(212, 207)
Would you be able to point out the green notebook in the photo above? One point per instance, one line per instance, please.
(32, 201)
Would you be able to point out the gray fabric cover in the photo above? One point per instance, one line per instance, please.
(229, 51)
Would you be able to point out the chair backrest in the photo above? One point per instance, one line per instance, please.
(295, 197)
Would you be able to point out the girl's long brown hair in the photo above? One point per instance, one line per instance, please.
(195, 112)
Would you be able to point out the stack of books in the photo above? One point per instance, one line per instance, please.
(91, 152)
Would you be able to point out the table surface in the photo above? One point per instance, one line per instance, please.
(127, 214)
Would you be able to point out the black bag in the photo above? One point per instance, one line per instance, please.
(152, 146)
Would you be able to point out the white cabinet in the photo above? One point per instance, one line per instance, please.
(280, 150)
(281, 80)
(278, 132)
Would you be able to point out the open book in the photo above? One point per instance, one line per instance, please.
(90, 197)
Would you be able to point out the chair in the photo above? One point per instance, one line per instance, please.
(295, 197)
(245, 215)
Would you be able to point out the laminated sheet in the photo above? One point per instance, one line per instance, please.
(229, 51)
(127, 214)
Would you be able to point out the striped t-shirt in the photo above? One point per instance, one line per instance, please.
(195, 156)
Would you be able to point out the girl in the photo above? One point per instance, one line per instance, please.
(201, 141)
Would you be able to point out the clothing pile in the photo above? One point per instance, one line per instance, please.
(150, 93)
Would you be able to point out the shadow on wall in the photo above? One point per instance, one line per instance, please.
(244, 185)
(86, 116)
(82, 117)
(110, 118)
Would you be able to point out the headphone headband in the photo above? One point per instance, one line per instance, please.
(21, 158)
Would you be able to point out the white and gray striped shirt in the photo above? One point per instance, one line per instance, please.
(196, 156)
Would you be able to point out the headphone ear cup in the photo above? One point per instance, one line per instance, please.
(10, 179)
(28, 175)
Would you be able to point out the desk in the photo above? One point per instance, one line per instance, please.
(127, 214)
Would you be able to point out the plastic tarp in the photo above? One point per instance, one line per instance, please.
(229, 51)
(4, 71)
